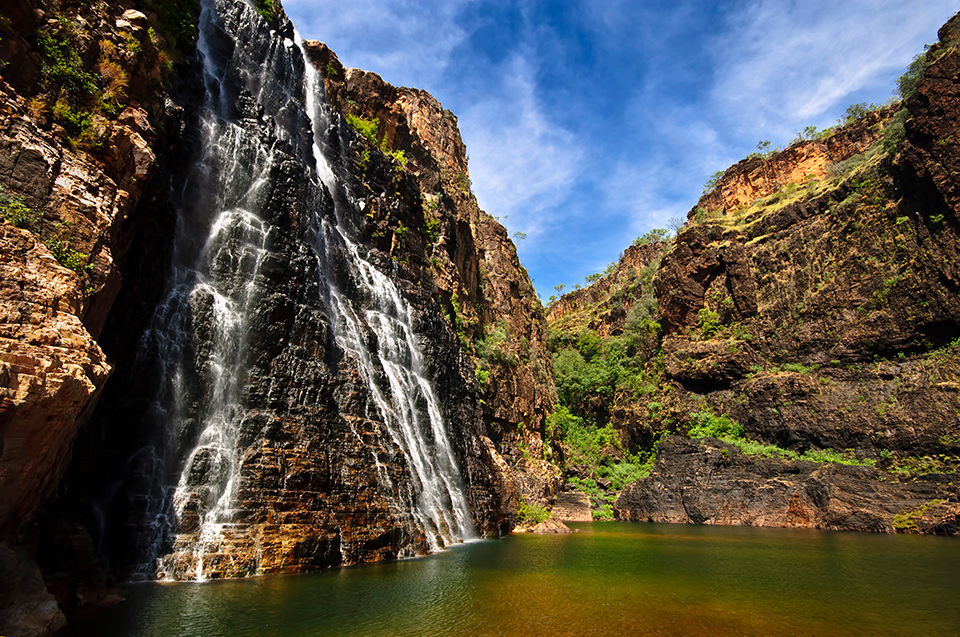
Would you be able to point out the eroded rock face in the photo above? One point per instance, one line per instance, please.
(463, 253)
(813, 298)
(273, 253)
(713, 482)
(757, 177)
(615, 293)
(62, 258)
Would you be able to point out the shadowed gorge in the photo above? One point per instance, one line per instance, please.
(254, 322)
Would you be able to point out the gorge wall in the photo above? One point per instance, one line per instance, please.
(244, 333)
(811, 299)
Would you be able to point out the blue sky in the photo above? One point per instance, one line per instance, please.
(590, 122)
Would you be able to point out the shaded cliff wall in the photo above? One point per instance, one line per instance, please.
(86, 128)
(107, 171)
(320, 479)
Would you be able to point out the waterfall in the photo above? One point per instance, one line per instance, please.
(262, 102)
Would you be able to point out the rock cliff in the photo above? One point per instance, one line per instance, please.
(467, 257)
(85, 126)
(811, 298)
(713, 482)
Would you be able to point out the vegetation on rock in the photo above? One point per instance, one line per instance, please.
(801, 302)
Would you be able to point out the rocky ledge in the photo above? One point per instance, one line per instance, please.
(712, 482)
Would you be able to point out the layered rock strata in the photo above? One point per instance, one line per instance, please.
(92, 459)
(464, 254)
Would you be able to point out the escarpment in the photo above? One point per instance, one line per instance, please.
(86, 131)
(808, 310)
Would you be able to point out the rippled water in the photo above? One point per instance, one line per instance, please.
(611, 578)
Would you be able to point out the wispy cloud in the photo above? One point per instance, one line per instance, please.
(522, 164)
(781, 66)
(404, 41)
(590, 122)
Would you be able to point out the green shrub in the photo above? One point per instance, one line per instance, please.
(709, 322)
(704, 424)
(799, 368)
(266, 8)
(531, 513)
(432, 229)
(894, 131)
(399, 155)
(493, 346)
(483, 377)
(14, 209)
(59, 245)
(908, 82)
(366, 127)
(589, 345)
(62, 65)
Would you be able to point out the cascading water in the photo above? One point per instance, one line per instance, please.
(263, 102)
(406, 401)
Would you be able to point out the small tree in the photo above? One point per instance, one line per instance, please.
(855, 112)
(559, 288)
(713, 181)
(908, 82)
(809, 132)
(654, 236)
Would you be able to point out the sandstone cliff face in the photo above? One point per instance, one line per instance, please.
(855, 277)
(86, 293)
(465, 256)
(811, 297)
(75, 176)
(603, 305)
(754, 178)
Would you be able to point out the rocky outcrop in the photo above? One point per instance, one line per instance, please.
(838, 304)
(77, 171)
(572, 506)
(603, 305)
(763, 175)
(713, 482)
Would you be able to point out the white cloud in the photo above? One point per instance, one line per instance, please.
(407, 42)
(782, 66)
(522, 165)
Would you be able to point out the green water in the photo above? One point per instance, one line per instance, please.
(611, 578)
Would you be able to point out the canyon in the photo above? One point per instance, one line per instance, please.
(254, 322)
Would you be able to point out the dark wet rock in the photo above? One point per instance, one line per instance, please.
(713, 482)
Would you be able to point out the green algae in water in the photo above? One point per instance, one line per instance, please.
(612, 577)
